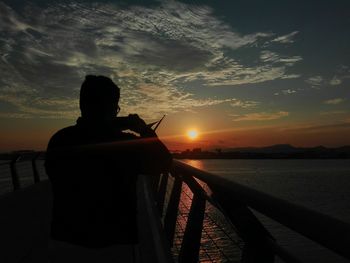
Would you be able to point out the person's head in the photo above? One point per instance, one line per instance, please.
(99, 97)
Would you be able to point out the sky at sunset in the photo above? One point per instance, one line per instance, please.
(241, 73)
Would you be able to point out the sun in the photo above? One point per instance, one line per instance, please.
(192, 134)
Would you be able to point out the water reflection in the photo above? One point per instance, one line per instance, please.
(219, 242)
(195, 163)
(318, 184)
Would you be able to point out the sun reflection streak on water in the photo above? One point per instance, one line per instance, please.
(219, 242)
(195, 163)
(320, 185)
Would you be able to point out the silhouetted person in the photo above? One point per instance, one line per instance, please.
(93, 167)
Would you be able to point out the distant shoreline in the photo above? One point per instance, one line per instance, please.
(280, 151)
(260, 158)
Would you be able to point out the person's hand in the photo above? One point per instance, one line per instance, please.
(137, 124)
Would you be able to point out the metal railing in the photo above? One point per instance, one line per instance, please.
(12, 160)
(235, 202)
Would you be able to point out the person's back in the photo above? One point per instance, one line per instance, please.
(93, 167)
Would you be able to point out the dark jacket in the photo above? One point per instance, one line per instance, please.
(93, 169)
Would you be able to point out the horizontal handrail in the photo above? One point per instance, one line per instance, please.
(24, 156)
(305, 221)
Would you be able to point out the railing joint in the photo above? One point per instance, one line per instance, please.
(14, 174)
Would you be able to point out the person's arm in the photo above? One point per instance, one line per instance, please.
(154, 154)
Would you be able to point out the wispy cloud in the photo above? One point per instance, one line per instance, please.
(261, 116)
(152, 53)
(330, 113)
(335, 81)
(151, 102)
(319, 128)
(11, 115)
(244, 104)
(288, 91)
(315, 80)
(285, 92)
(27, 107)
(269, 56)
(286, 39)
(334, 101)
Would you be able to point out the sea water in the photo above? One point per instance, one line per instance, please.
(321, 185)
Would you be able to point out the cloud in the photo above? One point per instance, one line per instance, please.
(285, 92)
(318, 128)
(153, 101)
(28, 107)
(244, 104)
(152, 53)
(334, 101)
(315, 80)
(288, 91)
(11, 115)
(286, 39)
(290, 61)
(269, 56)
(10, 21)
(329, 113)
(236, 74)
(261, 116)
(335, 81)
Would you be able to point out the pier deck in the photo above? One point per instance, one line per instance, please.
(25, 224)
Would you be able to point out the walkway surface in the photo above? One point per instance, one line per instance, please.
(25, 223)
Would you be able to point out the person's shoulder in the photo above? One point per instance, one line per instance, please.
(65, 132)
(63, 136)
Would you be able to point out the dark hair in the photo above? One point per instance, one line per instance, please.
(98, 95)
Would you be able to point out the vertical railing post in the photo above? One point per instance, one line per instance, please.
(172, 210)
(249, 228)
(153, 245)
(190, 247)
(162, 192)
(35, 168)
(154, 182)
(14, 174)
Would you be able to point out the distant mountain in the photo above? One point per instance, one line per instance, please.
(287, 148)
(278, 148)
(278, 151)
(345, 148)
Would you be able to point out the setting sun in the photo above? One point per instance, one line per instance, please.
(192, 134)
